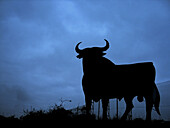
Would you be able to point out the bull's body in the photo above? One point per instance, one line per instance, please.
(104, 80)
(107, 80)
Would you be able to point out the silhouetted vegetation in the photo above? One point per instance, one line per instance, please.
(59, 113)
(55, 114)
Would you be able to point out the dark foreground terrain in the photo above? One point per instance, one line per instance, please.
(58, 116)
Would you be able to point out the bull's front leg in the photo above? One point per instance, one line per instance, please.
(129, 106)
(88, 105)
(105, 104)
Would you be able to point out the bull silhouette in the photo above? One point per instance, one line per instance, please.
(105, 80)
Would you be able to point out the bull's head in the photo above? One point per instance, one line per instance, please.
(91, 52)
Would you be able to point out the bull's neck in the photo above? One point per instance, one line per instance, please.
(89, 65)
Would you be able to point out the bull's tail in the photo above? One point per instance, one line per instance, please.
(156, 99)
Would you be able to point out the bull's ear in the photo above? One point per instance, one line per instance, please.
(79, 56)
(103, 54)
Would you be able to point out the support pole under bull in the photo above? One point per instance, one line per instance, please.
(117, 111)
(98, 109)
(92, 107)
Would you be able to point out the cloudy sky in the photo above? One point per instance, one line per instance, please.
(38, 64)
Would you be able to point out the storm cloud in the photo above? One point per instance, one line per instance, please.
(38, 64)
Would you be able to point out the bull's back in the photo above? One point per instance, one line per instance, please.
(145, 72)
(138, 76)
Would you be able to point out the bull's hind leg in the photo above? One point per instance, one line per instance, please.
(149, 105)
(129, 106)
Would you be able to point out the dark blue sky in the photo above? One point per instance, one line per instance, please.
(38, 64)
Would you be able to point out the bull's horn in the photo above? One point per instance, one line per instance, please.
(106, 47)
(77, 48)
